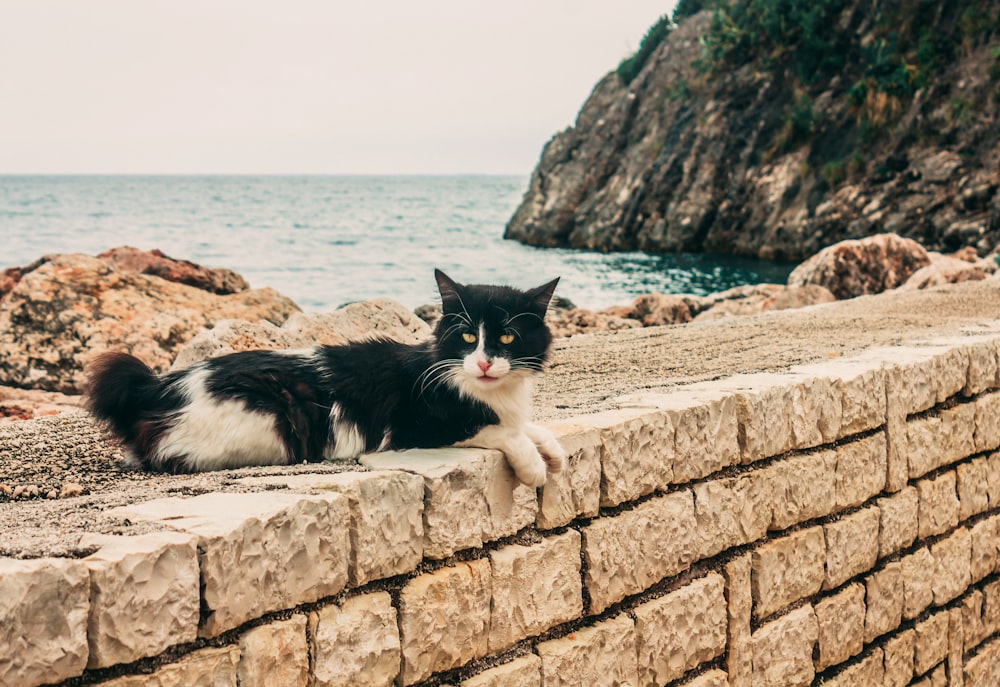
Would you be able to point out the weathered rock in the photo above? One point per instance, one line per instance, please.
(73, 307)
(27, 404)
(580, 321)
(798, 297)
(944, 269)
(211, 666)
(230, 336)
(259, 647)
(355, 643)
(655, 309)
(215, 280)
(858, 267)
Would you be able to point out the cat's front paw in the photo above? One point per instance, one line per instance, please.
(532, 474)
(549, 447)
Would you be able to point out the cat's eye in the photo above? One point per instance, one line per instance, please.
(468, 337)
(506, 339)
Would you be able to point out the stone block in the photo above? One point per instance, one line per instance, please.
(861, 470)
(44, 603)
(867, 672)
(681, 630)
(444, 619)
(739, 660)
(985, 537)
(817, 406)
(602, 654)
(884, 601)
(841, 622)
(386, 521)
(972, 480)
(898, 662)
(143, 595)
(986, 436)
(939, 506)
(956, 640)
(357, 642)
(705, 430)
(534, 588)
(860, 383)
(710, 678)
(783, 650)
(918, 576)
(765, 408)
(930, 645)
(213, 666)
(983, 368)
(471, 496)
(973, 628)
(952, 566)
(851, 546)
(260, 648)
(983, 669)
(993, 478)
(991, 607)
(525, 671)
(731, 511)
(938, 677)
(638, 453)
(258, 552)
(898, 518)
(788, 569)
(576, 491)
(940, 439)
(630, 551)
(802, 487)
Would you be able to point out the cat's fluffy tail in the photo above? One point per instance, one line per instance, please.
(122, 391)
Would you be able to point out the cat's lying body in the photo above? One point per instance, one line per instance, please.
(470, 386)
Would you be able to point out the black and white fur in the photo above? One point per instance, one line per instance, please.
(470, 385)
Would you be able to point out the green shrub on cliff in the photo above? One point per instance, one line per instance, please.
(630, 67)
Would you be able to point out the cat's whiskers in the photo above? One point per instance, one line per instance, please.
(435, 374)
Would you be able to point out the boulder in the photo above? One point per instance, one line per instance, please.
(798, 297)
(355, 322)
(945, 269)
(575, 321)
(215, 280)
(654, 309)
(73, 306)
(862, 266)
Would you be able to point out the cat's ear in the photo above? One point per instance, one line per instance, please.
(541, 295)
(448, 288)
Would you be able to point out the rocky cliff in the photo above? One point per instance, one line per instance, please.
(773, 129)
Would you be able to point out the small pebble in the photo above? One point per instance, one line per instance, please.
(70, 489)
(52, 494)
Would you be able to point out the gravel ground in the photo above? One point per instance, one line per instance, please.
(58, 475)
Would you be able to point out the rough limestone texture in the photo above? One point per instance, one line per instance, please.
(681, 630)
(258, 552)
(930, 645)
(525, 671)
(275, 654)
(918, 576)
(575, 491)
(387, 526)
(939, 505)
(765, 410)
(638, 452)
(898, 661)
(471, 496)
(628, 552)
(739, 608)
(783, 650)
(209, 667)
(983, 669)
(985, 536)
(732, 511)
(868, 671)
(952, 571)
(841, 622)
(534, 588)
(851, 546)
(987, 433)
(817, 405)
(355, 643)
(444, 619)
(602, 654)
(47, 593)
(883, 601)
(788, 569)
(74, 306)
(940, 439)
(803, 487)
(143, 595)
(711, 678)
(984, 364)
(973, 488)
(898, 517)
(861, 470)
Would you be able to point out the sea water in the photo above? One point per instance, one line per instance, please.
(328, 240)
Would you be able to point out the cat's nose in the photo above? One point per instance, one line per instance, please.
(484, 365)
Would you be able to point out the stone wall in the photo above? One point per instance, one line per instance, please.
(834, 524)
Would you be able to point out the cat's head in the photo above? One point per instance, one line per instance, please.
(496, 333)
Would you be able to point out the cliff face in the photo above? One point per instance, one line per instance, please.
(777, 150)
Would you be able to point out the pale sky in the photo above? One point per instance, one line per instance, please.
(296, 86)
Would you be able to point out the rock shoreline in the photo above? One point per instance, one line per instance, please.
(61, 310)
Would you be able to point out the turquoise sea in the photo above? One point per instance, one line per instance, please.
(329, 240)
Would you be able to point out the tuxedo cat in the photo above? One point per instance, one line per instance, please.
(470, 385)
